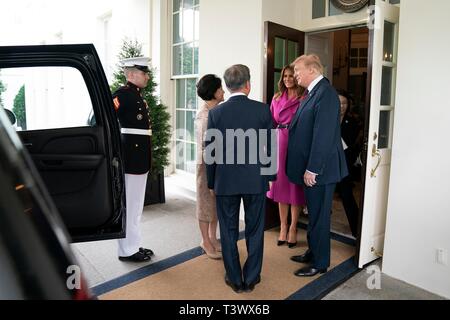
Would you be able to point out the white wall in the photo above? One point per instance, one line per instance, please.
(418, 220)
(81, 21)
(161, 53)
(285, 12)
(130, 21)
(231, 32)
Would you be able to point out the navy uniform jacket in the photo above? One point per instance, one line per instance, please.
(315, 138)
(132, 112)
(239, 112)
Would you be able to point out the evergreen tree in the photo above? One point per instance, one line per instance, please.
(2, 89)
(159, 116)
(19, 108)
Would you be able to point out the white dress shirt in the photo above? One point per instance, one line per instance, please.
(237, 94)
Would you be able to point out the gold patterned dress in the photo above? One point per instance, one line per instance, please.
(206, 202)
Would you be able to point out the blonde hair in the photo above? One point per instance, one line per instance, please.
(310, 61)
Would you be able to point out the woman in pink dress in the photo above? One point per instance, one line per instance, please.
(284, 106)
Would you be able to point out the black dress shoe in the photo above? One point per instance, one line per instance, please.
(281, 242)
(308, 272)
(137, 257)
(148, 252)
(238, 288)
(303, 258)
(250, 287)
(292, 244)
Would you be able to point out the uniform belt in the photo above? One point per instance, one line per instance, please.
(141, 132)
(283, 126)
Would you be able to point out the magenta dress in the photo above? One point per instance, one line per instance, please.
(283, 191)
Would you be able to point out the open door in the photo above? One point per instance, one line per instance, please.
(283, 45)
(58, 87)
(383, 40)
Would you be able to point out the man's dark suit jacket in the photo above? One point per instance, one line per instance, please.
(315, 138)
(239, 112)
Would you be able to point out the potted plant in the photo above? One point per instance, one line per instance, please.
(160, 123)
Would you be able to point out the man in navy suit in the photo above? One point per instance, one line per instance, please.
(316, 158)
(236, 130)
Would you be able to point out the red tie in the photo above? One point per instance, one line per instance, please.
(305, 94)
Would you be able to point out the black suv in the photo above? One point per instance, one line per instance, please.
(61, 177)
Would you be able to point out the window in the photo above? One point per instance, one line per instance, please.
(324, 8)
(46, 97)
(185, 46)
(358, 57)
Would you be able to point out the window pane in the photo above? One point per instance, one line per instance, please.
(190, 157)
(292, 51)
(363, 52)
(354, 63)
(333, 11)
(181, 89)
(280, 53)
(197, 24)
(389, 36)
(188, 3)
(47, 97)
(196, 58)
(394, 1)
(177, 57)
(191, 94)
(176, 5)
(318, 9)
(190, 118)
(386, 86)
(354, 52)
(177, 29)
(276, 78)
(188, 25)
(384, 129)
(363, 63)
(188, 59)
(181, 134)
(180, 162)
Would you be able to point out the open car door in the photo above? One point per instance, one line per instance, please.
(52, 90)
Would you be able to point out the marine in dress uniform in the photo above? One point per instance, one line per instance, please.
(135, 128)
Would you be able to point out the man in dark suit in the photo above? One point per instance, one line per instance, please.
(132, 112)
(237, 171)
(315, 158)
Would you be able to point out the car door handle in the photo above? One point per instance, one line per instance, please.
(67, 162)
(53, 162)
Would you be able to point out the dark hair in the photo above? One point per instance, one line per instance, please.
(207, 86)
(347, 96)
(236, 76)
(282, 87)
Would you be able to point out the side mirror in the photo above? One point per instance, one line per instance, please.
(11, 116)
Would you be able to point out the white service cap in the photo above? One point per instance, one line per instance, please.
(140, 63)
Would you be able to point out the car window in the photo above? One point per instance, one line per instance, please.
(46, 97)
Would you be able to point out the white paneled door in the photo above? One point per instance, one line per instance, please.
(383, 26)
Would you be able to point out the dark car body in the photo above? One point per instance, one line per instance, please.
(57, 185)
